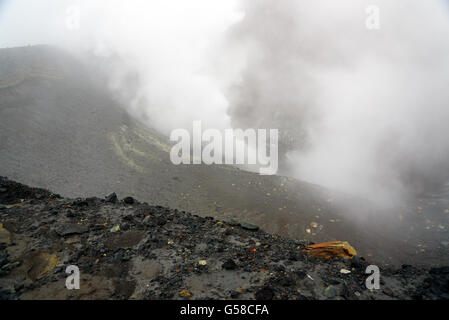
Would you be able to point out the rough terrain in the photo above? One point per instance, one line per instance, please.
(126, 249)
(62, 128)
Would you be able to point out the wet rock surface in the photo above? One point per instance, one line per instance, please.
(132, 250)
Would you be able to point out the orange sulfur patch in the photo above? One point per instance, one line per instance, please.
(185, 293)
(339, 249)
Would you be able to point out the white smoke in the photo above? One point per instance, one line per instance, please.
(166, 43)
(360, 110)
(364, 111)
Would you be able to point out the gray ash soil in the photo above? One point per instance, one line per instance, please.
(159, 253)
(62, 128)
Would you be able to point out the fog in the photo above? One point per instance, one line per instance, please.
(360, 110)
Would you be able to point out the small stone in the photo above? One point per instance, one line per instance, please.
(10, 266)
(97, 227)
(128, 200)
(80, 203)
(248, 226)
(293, 257)
(355, 262)
(229, 265)
(70, 229)
(406, 267)
(286, 282)
(330, 292)
(388, 292)
(266, 293)
(160, 221)
(112, 198)
(70, 214)
(147, 220)
(3, 258)
(115, 229)
(233, 223)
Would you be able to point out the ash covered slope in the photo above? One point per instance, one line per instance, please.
(60, 128)
(131, 250)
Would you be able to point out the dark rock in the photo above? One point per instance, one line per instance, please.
(128, 200)
(355, 262)
(97, 227)
(160, 221)
(248, 226)
(11, 265)
(442, 270)
(80, 203)
(112, 198)
(286, 282)
(388, 292)
(91, 201)
(69, 229)
(266, 293)
(233, 223)
(3, 258)
(70, 214)
(229, 265)
(129, 218)
(437, 285)
(18, 286)
(293, 257)
(345, 291)
(5, 294)
(279, 268)
(406, 267)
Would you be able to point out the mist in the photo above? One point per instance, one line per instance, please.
(358, 110)
(361, 110)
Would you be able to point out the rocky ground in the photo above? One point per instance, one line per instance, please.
(131, 250)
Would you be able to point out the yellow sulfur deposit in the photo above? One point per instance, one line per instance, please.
(339, 249)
